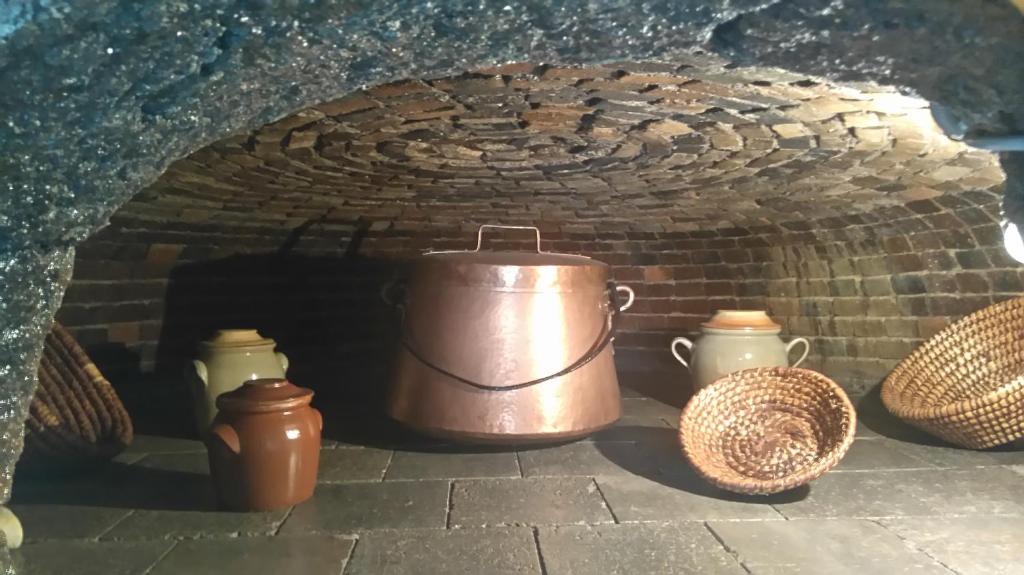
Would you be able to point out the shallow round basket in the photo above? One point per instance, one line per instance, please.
(966, 383)
(768, 429)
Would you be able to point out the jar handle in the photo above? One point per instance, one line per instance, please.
(807, 349)
(200, 369)
(629, 301)
(283, 360)
(689, 346)
(228, 436)
(480, 233)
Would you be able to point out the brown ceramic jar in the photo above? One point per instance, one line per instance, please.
(264, 446)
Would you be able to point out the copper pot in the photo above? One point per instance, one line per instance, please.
(507, 347)
(264, 446)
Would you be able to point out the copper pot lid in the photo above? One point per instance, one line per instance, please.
(741, 320)
(513, 271)
(264, 395)
(507, 258)
(240, 339)
(514, 258)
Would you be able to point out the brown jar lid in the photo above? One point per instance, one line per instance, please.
(263, 395)
(745, 320)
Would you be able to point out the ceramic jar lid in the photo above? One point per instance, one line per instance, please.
(263, 395)
(227, 339)
(741, 320)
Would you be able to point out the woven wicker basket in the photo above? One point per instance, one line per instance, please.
(768, 429)
(75, 416)
(966, 383)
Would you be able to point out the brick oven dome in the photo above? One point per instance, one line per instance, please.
(174, 133)
(636, 148)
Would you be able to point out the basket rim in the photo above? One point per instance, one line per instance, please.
(740, 483)
(904, 370)
(900, 409)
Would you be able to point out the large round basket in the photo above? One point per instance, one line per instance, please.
(76, 416)
(966, 383)
(768, 429)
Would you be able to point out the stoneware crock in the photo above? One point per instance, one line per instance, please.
(264, 446)
(733, 340)
(226, 361)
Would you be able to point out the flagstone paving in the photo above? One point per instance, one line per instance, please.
(623, 501)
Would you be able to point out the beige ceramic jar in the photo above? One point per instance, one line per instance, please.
(226, 361)
(735, 340)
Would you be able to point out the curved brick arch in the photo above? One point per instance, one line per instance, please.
(841, 209)
(641, 147)
(103, 96)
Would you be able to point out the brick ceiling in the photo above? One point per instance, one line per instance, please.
(646, 147)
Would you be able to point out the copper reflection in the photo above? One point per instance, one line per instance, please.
(478, 324)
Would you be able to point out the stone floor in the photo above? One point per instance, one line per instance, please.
(623, 501)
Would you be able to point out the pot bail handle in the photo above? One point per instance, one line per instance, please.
(480, 233)
(604, 339)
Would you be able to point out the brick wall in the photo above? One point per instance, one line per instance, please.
(839, 210)
(865, 289)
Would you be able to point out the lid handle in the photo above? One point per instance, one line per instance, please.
(480, 233)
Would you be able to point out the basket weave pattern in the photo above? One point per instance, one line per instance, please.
(75, 414)
(966, 383)
(766, 430)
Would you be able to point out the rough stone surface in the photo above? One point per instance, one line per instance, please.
(128, 90)
(56, 521)
(879, 454)
(143, 443)
(315, 555)
(966, 544)
(678, 498)
(586, 458)
(445, 465)
(347, 507)
(88, 557)
(942, 455)
(173, 482)
(536, 501)
(353, 464)
(630, 428)
(981, 491)
(634, 548)
(501, 550)
(187, 524)
(645, 407)
(847, 546)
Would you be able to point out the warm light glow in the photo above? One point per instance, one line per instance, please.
(547, 344)
(1013, 241)
(292, 433)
